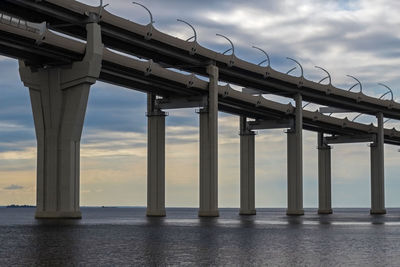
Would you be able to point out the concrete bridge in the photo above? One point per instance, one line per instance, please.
(59, 72)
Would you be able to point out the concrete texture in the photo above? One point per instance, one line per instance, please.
(209, 149)
(378, 171)
(59, 98)
(247, 169)
(155, 159)
(324, 177)
(295, 162)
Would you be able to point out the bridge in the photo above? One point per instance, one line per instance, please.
(64, 47)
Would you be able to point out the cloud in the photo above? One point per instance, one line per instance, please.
(13, 187)
(3, 58)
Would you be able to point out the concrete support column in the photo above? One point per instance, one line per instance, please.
(295, 162)
(155, 159)
(59, 98)
(377, 171)
(324, 176)
(209, 149)
(247, 169)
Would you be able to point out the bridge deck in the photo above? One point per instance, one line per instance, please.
(132, 73)
(129, 37)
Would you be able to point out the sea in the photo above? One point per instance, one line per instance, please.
(121, 236)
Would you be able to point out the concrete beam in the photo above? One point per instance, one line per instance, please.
(324, 176)
(333, 110)
(155, 159)
(295, 162)
(247, 169)
(378, 171)
(182, 102)
(209, 149)
(59, 98)
(345, 139)
(270, 124)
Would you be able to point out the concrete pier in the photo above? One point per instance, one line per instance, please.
(209, 149)
(155, 159)
(377, 171)
(247, 169)
(59, 98)
(324, 176)
(295, 162)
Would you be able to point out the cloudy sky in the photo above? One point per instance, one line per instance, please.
(360, 38)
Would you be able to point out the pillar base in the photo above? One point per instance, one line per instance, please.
(379, 211)
(208, 213)
(295, 212)
(58, 215)
(247, 212)
(325, 211)
(155, 213)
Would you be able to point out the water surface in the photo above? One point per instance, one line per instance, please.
(125, 237)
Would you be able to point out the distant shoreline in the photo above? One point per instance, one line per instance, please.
(20, 206)
(222, 208)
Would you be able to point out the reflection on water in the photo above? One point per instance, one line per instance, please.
(125, 236)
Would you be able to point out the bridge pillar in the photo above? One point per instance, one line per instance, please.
(59, 98)
(209, 149)
(295, 162)
(324, 176)
(155, 159)
(247, 169)
(377, 171)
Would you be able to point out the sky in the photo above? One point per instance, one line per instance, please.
(359, 38)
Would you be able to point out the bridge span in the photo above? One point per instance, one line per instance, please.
(59, 70)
